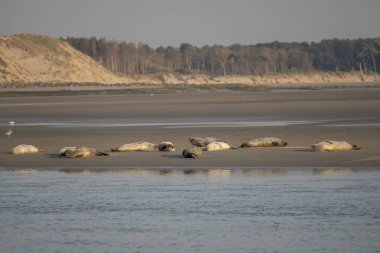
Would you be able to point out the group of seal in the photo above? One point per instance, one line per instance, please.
(79, 152)
(199, 144)
(214, 144)
(210, 143)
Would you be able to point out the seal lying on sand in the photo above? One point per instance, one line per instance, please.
(333, 146)
(193, 152)
(264, 142)
(166, 146)
(25, 149)
(136, 146)
(63, 150)
(74, 152)
(202, 141)
(218, 145)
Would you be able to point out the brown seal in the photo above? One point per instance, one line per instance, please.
(73, 152)
(166, 146)
(264, 142)
(194, 152)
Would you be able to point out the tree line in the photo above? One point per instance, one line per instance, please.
(264, 58)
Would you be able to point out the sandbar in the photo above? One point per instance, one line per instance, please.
(301, 117)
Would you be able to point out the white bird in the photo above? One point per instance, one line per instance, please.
(11, 123)
(8, 132)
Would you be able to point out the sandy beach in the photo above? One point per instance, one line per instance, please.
(301, 117)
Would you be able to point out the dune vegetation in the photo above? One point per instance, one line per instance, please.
(29, 59)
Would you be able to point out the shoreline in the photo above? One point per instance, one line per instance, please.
(122, 89)
(204, 171)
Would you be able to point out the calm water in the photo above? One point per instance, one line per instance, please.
(190, 211)
(164, 123)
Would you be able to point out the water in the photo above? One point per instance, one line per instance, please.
(250, 210)
(164, 123)
(188, 122)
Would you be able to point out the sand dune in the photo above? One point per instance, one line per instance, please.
(30, 58)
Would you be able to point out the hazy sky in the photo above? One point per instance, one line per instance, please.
(199, 22)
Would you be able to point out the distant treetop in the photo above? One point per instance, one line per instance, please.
(264, 58)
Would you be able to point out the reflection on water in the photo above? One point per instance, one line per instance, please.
(190, 210)
(25, 171)
(165, 124)
(263, 172)
(203, 171)
(81, 171)
(208, 171)
(332, 171)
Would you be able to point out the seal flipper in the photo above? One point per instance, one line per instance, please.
(194, 156)
(98, 153)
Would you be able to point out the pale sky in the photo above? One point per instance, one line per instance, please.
(198, 22)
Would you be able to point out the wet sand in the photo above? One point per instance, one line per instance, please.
(301, 117)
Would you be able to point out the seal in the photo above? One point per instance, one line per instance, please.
(136, 146)
(166, 146)
(194, 152)
(73, 152)
(63, 150)
(25, 149)
(264, 142)
(330, 145)
(218, 145)
(202, 141)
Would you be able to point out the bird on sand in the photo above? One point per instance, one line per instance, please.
(8, 132)
(11, 123)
